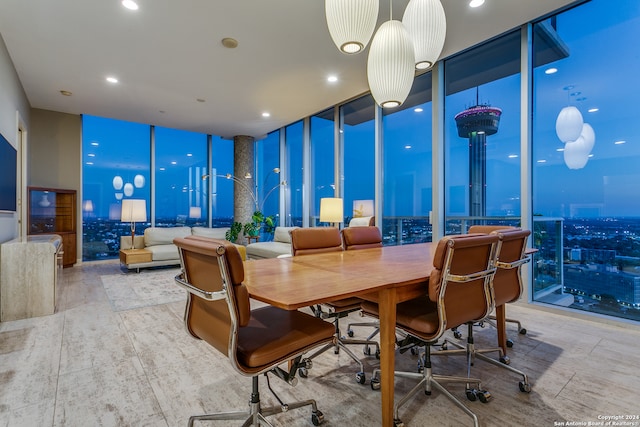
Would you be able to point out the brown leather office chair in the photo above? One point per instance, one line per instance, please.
(362, 237)
(459, 291)
(507, 287)
(255, 341)
(316, 240)
(509, 293)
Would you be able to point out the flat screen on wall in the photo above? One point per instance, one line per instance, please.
(8, 175)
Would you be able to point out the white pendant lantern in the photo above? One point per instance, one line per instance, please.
(128, 189)
(576, 154)
(138, 181)
(426, 22)
(117, 182)
(589, 137)
(569, 124)
(351, 23)
(390, 66)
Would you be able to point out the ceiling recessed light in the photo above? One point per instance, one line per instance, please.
(229, 43)
(332, 79)
(161, 169)
(265, 114)
(476, 3)
(542, 161)
(89, 163)
(91, 155)
(418, 110)
(408, 147)
(513, 156)
(95, 144)
(130, 4)
(112, 80)
(174, 163)
(551, 70)
(66, 93)
(560, 150)
(189, 155)
(619, 142)
(593, 110)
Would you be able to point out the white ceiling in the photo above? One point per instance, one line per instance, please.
(168, 54)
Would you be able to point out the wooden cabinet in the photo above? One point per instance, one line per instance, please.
(53, 211)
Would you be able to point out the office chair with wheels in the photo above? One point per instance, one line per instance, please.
(255, 341)
(316, 240)
(507, 287)
(355, 238)
(459, 291)
(486, 229)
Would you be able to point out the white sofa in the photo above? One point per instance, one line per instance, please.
(281, 245)
(159, 241)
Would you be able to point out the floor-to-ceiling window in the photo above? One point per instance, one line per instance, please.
(221, 189)
(482, 135)
(116, 165)
(358, 131)
(269, 178)
(295, 189)
(407, 167)
(180, 192)
(586, 197)
(322, 161)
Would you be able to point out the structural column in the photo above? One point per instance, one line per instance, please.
(244, 185)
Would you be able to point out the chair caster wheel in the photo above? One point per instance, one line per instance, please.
(350, 333)
(505, 360)
(444, 346)
(457, 335)
(375, 384)
(509, 343)
(522, 331)
(413, 351)
(471, 395)
(317, 418)
(360, 378)
(336, 350)
(484, 396)
(303, 372)
(378, 354)
(398, 423)
(367, 350)
(524, 387)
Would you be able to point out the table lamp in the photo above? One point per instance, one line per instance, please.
(133, 210)
(331, 210)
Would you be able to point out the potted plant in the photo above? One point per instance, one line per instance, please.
(259, 221)
(233, 232)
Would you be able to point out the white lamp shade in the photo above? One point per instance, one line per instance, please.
(576, 154)
(119, 196)
(195, 212)
(117, 182)
(134, 210)
(569, 124)
(87, 206)
(390, 66)
(138, 181)
(589, 137)
(362, 208)
(128, 189)
(426, 23)
(331, 209)
(351, 23)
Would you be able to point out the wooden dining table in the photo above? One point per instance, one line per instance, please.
(386, 275)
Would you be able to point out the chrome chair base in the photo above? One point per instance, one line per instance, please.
(256, 415)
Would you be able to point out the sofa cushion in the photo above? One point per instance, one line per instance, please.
(164, 252)
(282, 234)
(164, 235)
(273, 249)
(214, 233)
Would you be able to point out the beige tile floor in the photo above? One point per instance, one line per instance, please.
(87, 365)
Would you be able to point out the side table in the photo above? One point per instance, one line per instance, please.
(134, 256)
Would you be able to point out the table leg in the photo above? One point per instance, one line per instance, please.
(501, 326)
(387, 311)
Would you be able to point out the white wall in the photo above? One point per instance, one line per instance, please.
(13, 105)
